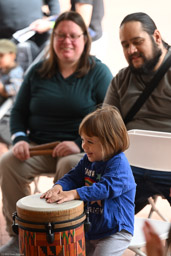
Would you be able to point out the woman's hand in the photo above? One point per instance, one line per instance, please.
(41, 25)
(65, 148)
(154, 246)
(21, 150)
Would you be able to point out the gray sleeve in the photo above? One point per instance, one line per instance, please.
(112, 96)
(54, 6)
(84, 1)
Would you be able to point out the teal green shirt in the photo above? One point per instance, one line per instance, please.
(52, 109)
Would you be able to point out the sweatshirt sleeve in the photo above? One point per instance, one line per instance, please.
(73, 179)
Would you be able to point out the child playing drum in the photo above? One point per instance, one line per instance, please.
(103, 179)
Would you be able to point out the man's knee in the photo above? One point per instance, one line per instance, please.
(4, 160)
(65, 164)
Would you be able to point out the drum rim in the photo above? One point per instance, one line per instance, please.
(55, 223)
(50, 225)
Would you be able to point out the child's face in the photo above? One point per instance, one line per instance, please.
(92, 147)
(6, 59)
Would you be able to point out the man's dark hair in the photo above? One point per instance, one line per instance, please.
(147, 23)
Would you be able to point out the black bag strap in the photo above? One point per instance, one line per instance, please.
(148, 90)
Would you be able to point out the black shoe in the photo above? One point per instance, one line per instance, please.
(11, 248)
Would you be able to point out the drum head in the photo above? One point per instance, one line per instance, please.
(35, 209)
(34, 203)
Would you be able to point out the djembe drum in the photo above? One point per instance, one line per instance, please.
(49, 229)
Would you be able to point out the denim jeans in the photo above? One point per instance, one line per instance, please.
(150, 183)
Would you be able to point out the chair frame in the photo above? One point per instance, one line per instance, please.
(138, 240)
(144, 146)
(146, 143)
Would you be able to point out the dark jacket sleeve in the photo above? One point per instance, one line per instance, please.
(20, 111)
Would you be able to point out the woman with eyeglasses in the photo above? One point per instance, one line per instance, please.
(55, 96)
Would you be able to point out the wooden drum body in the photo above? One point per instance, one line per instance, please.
(50, 229)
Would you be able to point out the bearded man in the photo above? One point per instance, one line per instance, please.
(145, 52)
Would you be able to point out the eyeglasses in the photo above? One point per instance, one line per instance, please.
(62, 37)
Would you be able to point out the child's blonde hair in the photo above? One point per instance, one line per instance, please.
(107, 124)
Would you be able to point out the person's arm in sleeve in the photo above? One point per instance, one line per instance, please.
(65, 188)
(112, 97)
(74, 178)
(85, 8)
(20, 112)
(103, 79)
(54, 7)
(45, 24)
(19, 121)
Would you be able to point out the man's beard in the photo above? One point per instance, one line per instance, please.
(149, 64)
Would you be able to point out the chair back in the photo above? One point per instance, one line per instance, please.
(149, 150)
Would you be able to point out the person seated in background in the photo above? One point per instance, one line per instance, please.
(11, 74)
(145, 52)
(92, 12)
(50, 14)
(54, 97)
(103, 179)
(11, 77)
(20, 14)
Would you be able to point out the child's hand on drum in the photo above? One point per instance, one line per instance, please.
(65, 196)
(51, 194)
(56, 194)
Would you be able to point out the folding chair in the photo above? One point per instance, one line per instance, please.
(150, 150)
(138, 240)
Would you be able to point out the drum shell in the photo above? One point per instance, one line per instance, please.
(66, 227)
